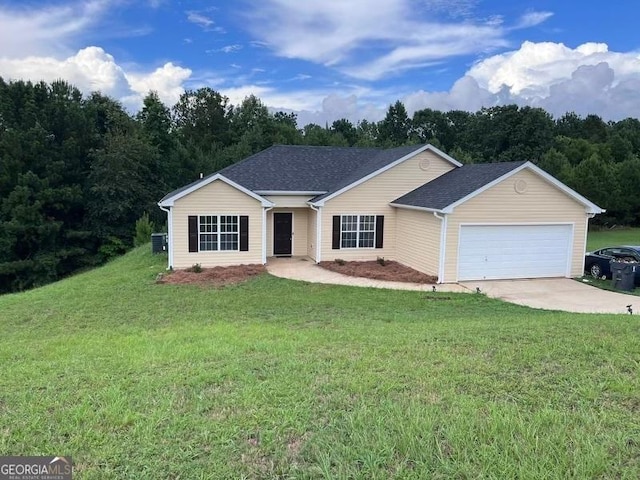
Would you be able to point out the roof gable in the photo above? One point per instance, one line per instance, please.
(170, 199)
(384, 161)
(446, 192)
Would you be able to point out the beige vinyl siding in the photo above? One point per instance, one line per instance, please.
(373, 197)
(289, 201)
(311, 233)
(419, 244)
(542, 203)
(298, 229)
(217, 198)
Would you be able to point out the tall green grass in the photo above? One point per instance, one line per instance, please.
(282, 379)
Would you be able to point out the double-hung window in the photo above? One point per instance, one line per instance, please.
(218, 232)
(357, 231)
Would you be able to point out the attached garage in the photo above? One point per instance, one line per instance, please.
(494, 252)
(499, 221)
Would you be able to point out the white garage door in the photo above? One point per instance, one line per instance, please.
(492, 252)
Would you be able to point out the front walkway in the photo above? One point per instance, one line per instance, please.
(303, 268)
(561, 294)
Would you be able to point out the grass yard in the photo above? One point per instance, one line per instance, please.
(609, 238)
(280, 379)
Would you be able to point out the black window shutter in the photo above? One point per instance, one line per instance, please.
(379, 230)
(244, 233)
(335, 243)
(193, 233)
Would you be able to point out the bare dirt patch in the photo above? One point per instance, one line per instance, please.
(216, 276)
(390, 271)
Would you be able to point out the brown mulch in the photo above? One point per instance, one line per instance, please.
(216, 276)
(391, 271)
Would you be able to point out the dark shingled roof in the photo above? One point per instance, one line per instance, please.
(456, 184)
(304, 168)
(297, 168)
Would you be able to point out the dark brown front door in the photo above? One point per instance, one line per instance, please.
(282, 233)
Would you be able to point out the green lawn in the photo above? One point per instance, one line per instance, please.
(612, 237)
(283, 379)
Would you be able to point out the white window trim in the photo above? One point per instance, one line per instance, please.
(218, 215)
(358, 215)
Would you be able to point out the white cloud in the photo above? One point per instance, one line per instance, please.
(199, 19)
(167, 80)
(587, 79)
(46, 51)
(47, 31)
(92, 69)
(372, 43)
(230, 48)
(531, 19)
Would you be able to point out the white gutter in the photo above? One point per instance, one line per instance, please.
(443, 245)
(264, 234)
(318, 211)
(169, 234)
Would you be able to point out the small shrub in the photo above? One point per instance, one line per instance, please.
(144, 229)
(339, 261)
(381, 261)
(112, 247)
(195, 268)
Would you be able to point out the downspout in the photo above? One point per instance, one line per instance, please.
(589, 216)
(264, 234)
(169, 235)
(318, 211)
(443, 245)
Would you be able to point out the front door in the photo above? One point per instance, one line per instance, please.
(282, 233)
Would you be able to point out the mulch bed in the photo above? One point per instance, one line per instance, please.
(391, 271)
(216, 276)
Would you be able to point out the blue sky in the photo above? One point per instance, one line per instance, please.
(329, 59)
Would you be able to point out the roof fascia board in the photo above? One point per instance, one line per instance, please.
(413, 207)
(169, 202)
(440, 153)
(591, 207)
(417, 151)
(290, 192)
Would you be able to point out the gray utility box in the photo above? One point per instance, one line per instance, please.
(158, 242)
(623, 275)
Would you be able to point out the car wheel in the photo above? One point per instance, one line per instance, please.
(595, 270)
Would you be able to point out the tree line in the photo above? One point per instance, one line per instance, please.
(77, 172)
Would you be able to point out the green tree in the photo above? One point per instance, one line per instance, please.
(345, 128)
(394, 129)
(202, 119)
(122, 186)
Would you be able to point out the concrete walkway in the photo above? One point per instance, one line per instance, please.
(303, 268)
(550, 294)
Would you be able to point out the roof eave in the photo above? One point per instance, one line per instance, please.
(415, 207)
(290, 192)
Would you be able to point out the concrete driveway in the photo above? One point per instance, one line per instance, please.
(550, 293)
(557, 294)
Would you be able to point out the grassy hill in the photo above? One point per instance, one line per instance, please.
(282, 379)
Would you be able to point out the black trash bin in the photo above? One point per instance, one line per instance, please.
(623, 275)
